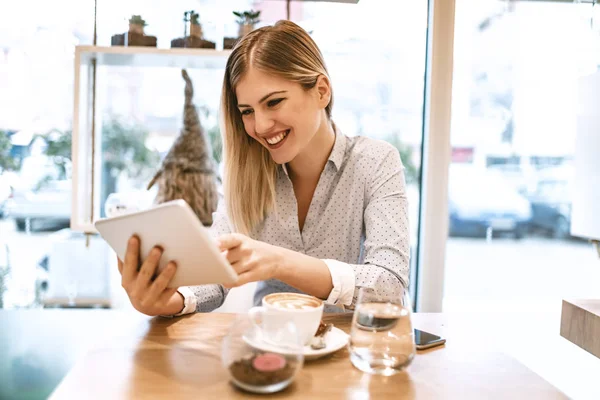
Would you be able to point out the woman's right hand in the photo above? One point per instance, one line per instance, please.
(148, 294)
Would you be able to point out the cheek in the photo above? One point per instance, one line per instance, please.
(308, 121)
(297, 117)
(249, 127)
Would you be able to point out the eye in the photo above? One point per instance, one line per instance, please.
(274, 102)
(247, 111)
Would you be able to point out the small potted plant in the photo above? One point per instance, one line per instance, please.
(135, 36)
(137, 24)
(194, 19)
(194, 39)
(246, 21)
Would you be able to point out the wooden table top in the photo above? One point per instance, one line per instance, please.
(180, 358)
(39, 347)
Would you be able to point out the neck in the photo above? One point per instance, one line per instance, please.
(309, 164)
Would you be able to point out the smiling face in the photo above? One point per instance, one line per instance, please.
(279, 114)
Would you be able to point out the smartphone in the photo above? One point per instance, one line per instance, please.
(425, 340)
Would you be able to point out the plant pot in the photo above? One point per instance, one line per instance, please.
(245, 29)
(136, 28)
(229, 43)
(196, 30)
(192, 42)
(133, 39)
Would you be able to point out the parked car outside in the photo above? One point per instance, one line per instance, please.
(5, 193)
(480, 200)
(7, 182)
(551, 202)
(47, 205)
(521, 176)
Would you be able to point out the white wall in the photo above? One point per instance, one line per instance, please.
(585, 218)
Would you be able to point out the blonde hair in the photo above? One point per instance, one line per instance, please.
(287, 51)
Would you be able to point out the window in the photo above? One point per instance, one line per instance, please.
(36, 103)
(515, 105)
(378, 82)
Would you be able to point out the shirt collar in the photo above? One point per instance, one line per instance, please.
(337, 153)
(339, 149)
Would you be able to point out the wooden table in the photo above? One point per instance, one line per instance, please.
(39, 347)
(180, 358)
(580, 323)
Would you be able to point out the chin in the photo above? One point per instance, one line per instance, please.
(284, 154)
(281, 158)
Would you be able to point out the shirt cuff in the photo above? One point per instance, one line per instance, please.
(343, 279)
(189, 301)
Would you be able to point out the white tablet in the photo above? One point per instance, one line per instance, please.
(174, 227)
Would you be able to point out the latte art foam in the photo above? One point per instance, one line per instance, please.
(292, 301)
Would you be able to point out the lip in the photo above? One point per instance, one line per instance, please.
(274, 134)
(278, 145)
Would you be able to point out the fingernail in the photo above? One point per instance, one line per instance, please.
(156, 251)
(132, 240)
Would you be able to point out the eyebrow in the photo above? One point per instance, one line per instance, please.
(264, 98)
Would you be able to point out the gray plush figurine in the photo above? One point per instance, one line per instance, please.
(187, 172)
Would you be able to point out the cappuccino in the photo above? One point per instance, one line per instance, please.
(292, 301)
(280, 308)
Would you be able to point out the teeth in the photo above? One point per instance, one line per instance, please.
(278, 138)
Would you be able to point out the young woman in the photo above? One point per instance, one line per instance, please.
(306, 208)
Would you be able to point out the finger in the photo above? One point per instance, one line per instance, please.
(132, 260)
(236, 254)
(241, 266)
(120, 265)
(160, 284)
(147, 271)
(166, 295)
(229, 241)
(250, 276)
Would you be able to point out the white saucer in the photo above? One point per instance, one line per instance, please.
(335, 339)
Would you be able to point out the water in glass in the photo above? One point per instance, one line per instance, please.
(382, 338)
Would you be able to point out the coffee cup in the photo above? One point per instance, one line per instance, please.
(277, 309)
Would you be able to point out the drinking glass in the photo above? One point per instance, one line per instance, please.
(382, 338)
(262, 358)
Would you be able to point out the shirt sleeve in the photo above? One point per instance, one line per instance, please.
(206, 298)
(342, 278)
(386, 246)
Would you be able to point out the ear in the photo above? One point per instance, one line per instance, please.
(323, 87)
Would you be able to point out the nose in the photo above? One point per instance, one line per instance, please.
(262, 123)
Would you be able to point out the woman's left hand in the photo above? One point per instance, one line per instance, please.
(251, 259)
